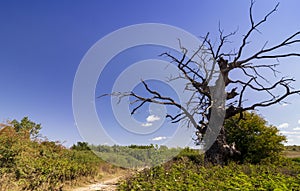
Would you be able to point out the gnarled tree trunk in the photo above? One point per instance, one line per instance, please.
(220, 152)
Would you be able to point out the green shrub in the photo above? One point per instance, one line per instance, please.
(254, 138)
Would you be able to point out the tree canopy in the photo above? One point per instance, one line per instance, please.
(27, 125)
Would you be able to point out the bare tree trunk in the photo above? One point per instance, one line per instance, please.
(220, 152)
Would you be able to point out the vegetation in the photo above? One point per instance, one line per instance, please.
(34, 164)
(28, 162)
(183, 173)
(255, 139)
(263, 165)
(135, 156)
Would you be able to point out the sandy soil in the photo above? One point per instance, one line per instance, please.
(105, 185)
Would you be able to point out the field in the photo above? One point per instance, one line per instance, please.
(292, 151)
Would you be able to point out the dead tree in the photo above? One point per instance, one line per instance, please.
(251, 77)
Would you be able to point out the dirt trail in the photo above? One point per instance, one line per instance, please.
(105, 185)
(109, 183)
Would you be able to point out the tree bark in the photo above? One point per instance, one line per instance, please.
(220, 152)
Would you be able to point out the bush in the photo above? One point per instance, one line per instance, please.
(256, 140)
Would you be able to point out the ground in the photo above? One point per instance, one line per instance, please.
(109, 184)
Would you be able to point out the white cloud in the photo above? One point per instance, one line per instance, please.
(297, 129)
(284, 104)
(293, 140)
(290, 132)
(152, 118)
(283, 126)
(147, 124)
(299, 121)
(158, 138)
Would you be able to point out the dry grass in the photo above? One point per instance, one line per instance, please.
(292, 154)
(7, 183)
(292, 151)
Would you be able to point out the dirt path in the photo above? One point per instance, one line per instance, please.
(109, 183)
(105, 185)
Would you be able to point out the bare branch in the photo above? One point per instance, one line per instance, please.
(253, 27)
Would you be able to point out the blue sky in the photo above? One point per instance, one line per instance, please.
(43, 42)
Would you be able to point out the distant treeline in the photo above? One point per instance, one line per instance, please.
(136, 156)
